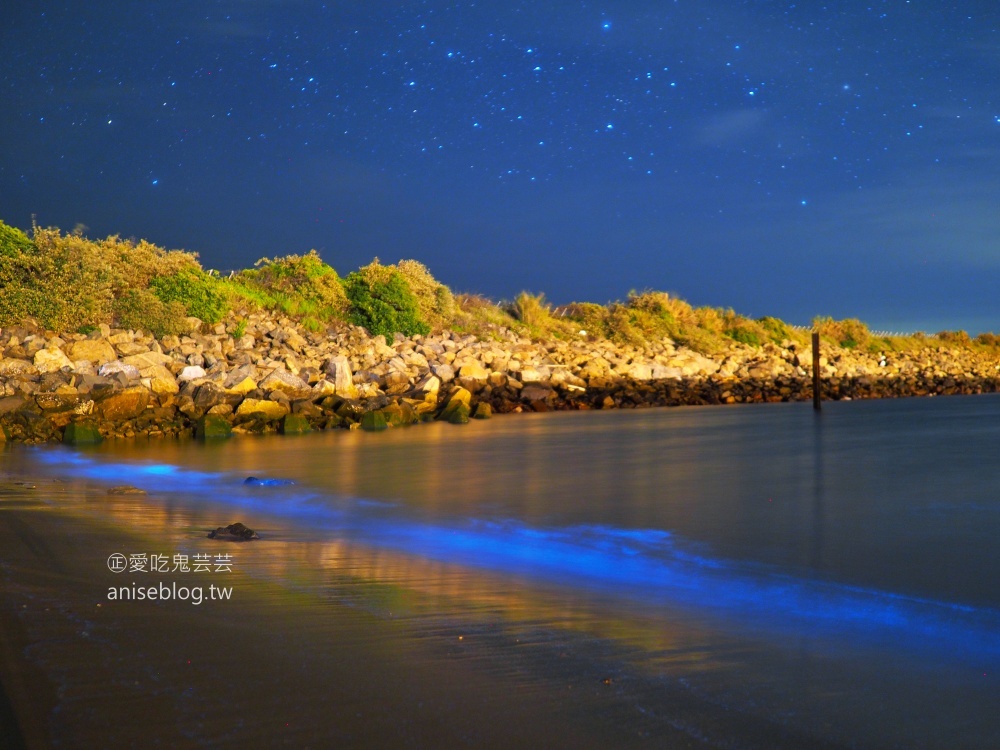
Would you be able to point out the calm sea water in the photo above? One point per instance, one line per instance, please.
(737, 574)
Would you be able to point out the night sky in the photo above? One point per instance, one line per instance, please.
(788, 159)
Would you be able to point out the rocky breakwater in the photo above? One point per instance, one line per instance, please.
(260, 373)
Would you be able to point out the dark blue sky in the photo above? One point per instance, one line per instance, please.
(790, 159)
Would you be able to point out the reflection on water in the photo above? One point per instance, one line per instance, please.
(777, 562)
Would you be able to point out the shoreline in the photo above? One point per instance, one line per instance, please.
(258, 373)
(271, 666)
(284, 662)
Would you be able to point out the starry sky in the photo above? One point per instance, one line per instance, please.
(781, 158)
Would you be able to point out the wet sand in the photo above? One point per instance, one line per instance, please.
(272, 667)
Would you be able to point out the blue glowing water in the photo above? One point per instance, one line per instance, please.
(814, 560)
(654, 566)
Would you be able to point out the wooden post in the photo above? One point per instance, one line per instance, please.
(817, 395)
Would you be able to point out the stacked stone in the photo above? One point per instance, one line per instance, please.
(278, 377)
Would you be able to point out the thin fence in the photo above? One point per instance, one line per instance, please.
(874, 334)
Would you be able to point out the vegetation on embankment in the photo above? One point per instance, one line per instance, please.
(117, 338)
(69, 283)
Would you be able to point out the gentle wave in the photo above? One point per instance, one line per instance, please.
(652, 565)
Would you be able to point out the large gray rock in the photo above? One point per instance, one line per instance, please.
(269, 410)
(338, 370)
(242, 380)
(210, 394)
(191, 373)
(427, 387)
(97, 351)
(51, 360)
(10, 368)
(11, 404)
(445, 372)
(147, 359)
(117, 366)
(283, 380)
(126, 404)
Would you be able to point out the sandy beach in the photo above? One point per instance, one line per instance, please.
(270, 667)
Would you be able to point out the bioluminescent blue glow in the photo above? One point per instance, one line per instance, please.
(648, 565)
(155, 476)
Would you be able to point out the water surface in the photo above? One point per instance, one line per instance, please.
(753, 576)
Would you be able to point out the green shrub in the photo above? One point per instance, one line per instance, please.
(531, 309)
(14, 242)
(434, 300)
(66, 281)
(299, 285)
(626, 326)
(18, 302)
(589, 317)
(481, 316)
(655, 303)
(954, 337)
(849, 333)
(744, 335)
(381, 301)
(141, 309)
(775, 329)
(743, 330)
(195, 290)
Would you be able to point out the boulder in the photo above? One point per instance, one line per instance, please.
(51, 360)
(459, 401)
(538, 374)
(212, 426)
(116, 367)
(323, 388)
(458, 415)
(445, 372)
(373, 421)
(472, 376)
(81, 433)
(483, 411)
(427, 387)
(147, 359)
(234, 532)
(399, 415)
(662, 372)
(170, 342)
(191, 372)
(209, 394)
(97, 351)
(535, 393)
(338, 370)
(348, 408)
(58, 401)
(128, 348)
(123, 405)
(242, 380)
(640, 371)
(159, 380)
(11, 404)
(295, 424)
(269, 410)
(473, 371)
(397, 381)
(283, 380)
